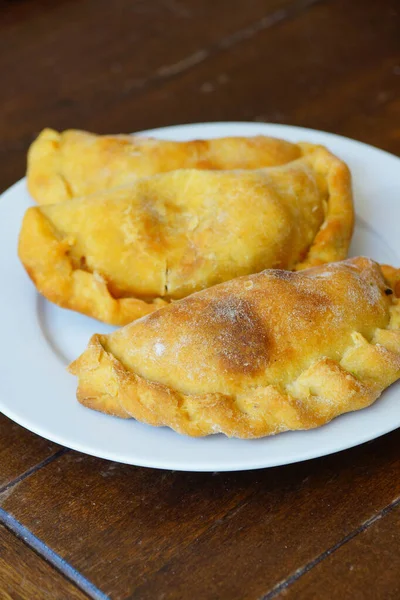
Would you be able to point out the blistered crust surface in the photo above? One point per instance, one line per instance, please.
(255, 356)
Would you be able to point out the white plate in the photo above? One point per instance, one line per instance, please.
(39, 339)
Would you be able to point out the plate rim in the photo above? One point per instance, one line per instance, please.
(198, 469)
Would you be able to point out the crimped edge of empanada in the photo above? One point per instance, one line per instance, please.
(105, 384)
(47, 262)
(334, 236)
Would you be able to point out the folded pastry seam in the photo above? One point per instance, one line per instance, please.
(332, 241)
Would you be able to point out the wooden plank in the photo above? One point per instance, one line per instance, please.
(341, 78)
(24, 575)
(365, 568)
(334, 67)
(71, 60)
(143, 533)
(20, 450)
(144, 515)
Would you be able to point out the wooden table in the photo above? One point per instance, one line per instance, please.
(78, 527)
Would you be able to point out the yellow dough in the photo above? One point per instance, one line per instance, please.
(120, 254)
(254, 356)
(74, 163)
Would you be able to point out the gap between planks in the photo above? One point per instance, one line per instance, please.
(51, 557)
(28, 472)
(39, 547)
(89, 588)
(283, 585)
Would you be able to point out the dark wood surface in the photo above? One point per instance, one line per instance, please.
(327, 528)
(366, 567)
(162, 534)
(25, 576)
(21, 452)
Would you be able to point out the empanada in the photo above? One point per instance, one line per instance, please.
(65, 165)
(120, 254)
(254, 356)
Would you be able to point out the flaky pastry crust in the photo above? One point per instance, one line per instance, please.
(123, 253)
(255, 356)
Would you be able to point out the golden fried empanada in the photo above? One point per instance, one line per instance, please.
(120, 254)
(254, 356)
(65, 165)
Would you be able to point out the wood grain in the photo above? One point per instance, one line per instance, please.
(24, 575)
(334, 67)
(20, 450)
(72, 60)
(167, 534)
(365, 568)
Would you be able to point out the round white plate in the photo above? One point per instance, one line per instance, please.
(40, 339)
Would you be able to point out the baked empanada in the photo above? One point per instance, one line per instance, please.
(66, 165)
(122, 253)
(254, 356)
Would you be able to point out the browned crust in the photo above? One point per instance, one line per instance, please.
(392, 276)
(356, 381)
(333, 239)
